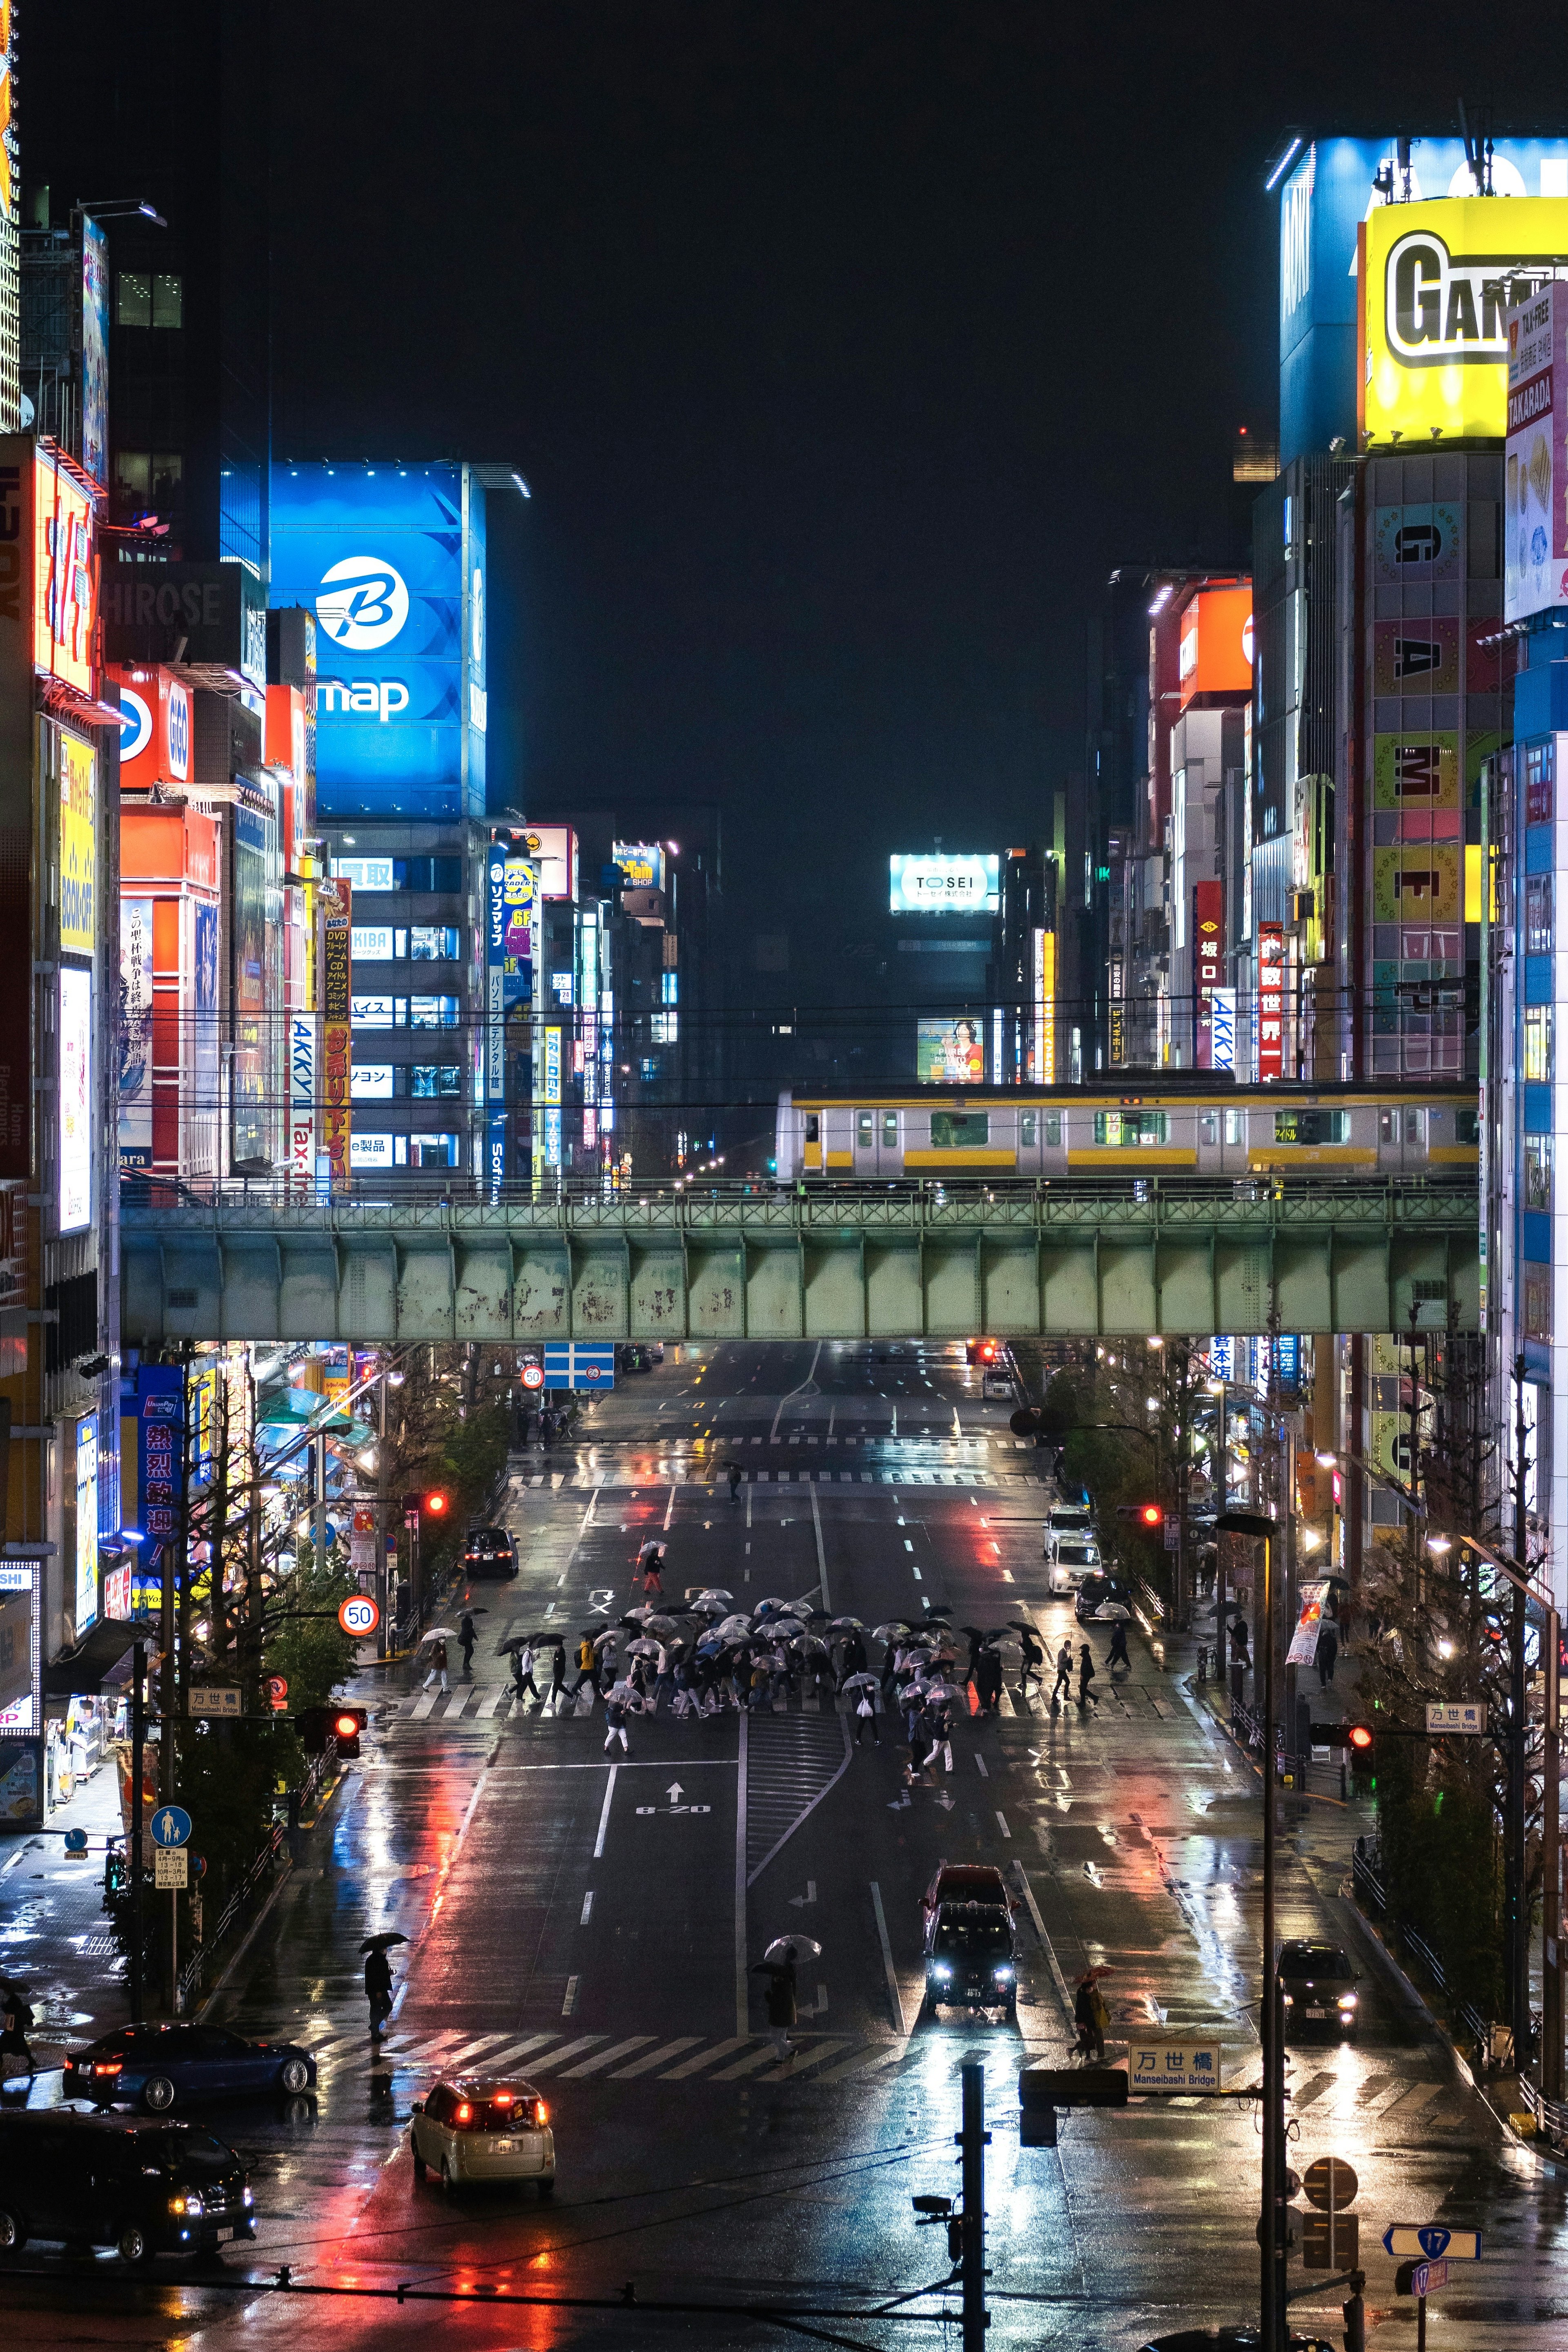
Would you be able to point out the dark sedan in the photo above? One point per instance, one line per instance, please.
(1319, 1986)
(158, 2066)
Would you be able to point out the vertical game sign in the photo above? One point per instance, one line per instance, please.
(87, 1524)
(494, 1047)
(159, 1447)
(1271, 1002)
(337, 908)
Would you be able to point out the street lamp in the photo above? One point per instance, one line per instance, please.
(1274, 2334)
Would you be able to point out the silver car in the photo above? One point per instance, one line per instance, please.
(471, 2129)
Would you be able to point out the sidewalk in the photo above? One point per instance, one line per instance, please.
(54, 1934)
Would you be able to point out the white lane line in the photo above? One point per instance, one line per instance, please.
(748, 1494)
(799, 2062)
(670, 1509)
(809, 1381)
(1047, 1946)
(895, 1996)
(821, 1556)
(864, 2062)
(604, 1816)
(742, 2000)
(507, 2058)
(570, 2003)
(587, 1908)
(1002, 1825)
(984, 1772)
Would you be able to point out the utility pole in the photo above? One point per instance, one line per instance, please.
(1275, 2332)
(973, 2141)
(381, 1476)
(1514, 1855)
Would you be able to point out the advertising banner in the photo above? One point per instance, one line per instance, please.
(206, 1042)
(95, 352)
(1208, 964)
(1271, 1002)
(19, 1663)
(1535, 472)
(390, 560)
(79, 845)
(945, 885)
(156, 1394)
(87, 1524)
(1417, 882)
(154, 728)
(16, 728)
(1043, 1048)
(642, 865)
(1412, 546)
(136, 1033)
(304, 1054)
(336, 974)
(1437, 281)
(1415, 657)
(949, 1053)
(210, 614)
(75, 1040)
(1222, 1028)
(553, 849)
(1303, 1646)
(253, 842)
(1418, 771)
(64, 577)
(1216, 655)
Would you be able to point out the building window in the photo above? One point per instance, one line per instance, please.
(378, 1011)
(429, 1081)
(435, 943)
(1537, 1042)
(145, 297)
(863, 1130)
(1028, 1130)
(433, 1152)
(371, 1082)
(1125, 1127)
(1537, 1301)
(1538, 914)
(890, 1131)
(1540, 774)
(148, 481)
(1208, 1127)
(433, 1012)
(1538, 1171)
(960, 1130)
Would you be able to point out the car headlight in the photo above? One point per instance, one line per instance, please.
(1003, 1972)
(1289, 1999)
(941, 1969)
(246, 2197)
(190, 2204)
(1347, 2000)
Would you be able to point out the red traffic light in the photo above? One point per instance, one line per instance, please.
(346, 1727)
(436, 1504)
(1360, 1736)
(1150, 1515)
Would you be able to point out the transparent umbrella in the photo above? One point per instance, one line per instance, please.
(782, 1946)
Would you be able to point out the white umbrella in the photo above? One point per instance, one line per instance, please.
(799, 1945)
(785, 1628)
(894, 1632)
(858, 1682)
(641, 1649)
(610, 1634)
(943, 1691)
(439, 1633)
(845, 1624)
(731, 1628)
(1112, 1609)
(714, 1592)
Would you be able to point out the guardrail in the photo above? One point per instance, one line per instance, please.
(1371, 1897)
(257, 1874)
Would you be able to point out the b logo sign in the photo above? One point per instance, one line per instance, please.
(361, 604)
(358, 1616)
(135, 724)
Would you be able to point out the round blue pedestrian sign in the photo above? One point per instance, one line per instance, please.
(170, 1825)
(75, 1840)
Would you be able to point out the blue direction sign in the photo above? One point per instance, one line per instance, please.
(1429, 2239)
(170, 1825)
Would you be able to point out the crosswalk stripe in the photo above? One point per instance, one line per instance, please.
(646, 2064)
(423, 1704)
(753, 2058)
(704, 2058)
(799, 2061)
(607, 2057)
(864, 2062)
(503, 2060)
(552, 2058)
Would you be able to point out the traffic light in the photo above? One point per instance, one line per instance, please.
(982, 1351)
(348, 1722)
(1143, 1515)
(1360, 1739)
(431, 1503)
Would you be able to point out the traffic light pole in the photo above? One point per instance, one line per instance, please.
(138, 1811)
(973, 2141)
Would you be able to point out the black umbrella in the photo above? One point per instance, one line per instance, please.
(380, 1943)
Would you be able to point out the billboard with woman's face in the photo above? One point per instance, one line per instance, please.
(950, 1053)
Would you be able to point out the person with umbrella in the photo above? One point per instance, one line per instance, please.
(557, 1675)
(379, 1978)
(988, 1679)
(1033, 1657)
(861, 1692)
(1090, 2016)
(733, 1475)
(467, 1637)
(778, 1967)
(523, 1670)
(1118, 1654)
(940, 1724)
(618, 1701)
(437, 1662)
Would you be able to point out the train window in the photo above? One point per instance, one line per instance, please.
(1466, 1127)
(863, 1130)
(1537, 1042)
(1235, 1126)
(1415, 1127)
(813, 1127)
(1029, 1129)
(1388, 1127)
(890, 1131)
(1538, 1171)
(1053, 1130)
(960, 1130)
(1123, 1127)
(1312, 1127)
(1208, 1127)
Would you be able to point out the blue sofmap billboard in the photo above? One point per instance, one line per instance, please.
(391, 559)
(1326, 193)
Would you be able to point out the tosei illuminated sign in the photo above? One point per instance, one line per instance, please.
(1438, 282)
(941, 885)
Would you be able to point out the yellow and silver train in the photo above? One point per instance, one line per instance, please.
(1205, 1128)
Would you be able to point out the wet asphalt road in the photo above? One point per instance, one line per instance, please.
(588, 1923)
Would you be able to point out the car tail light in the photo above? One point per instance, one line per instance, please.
(465, 2114)
(503, 2098)
(541, 2112)
(115, 2066)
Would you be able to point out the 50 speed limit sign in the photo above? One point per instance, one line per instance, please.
(359, 1615)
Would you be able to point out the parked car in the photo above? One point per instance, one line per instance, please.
(1319, 1984)
(1072, 1558)
(1103, 1596)
(490, 1551)
(470, 2128)
(160, 2066)
(114, 2181)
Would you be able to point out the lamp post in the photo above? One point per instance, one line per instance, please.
(1274, 2334)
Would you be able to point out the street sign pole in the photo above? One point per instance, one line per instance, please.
(972, 2142)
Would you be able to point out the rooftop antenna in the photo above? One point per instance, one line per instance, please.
(1477, 151)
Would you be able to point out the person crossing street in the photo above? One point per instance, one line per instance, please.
(1063, 1673)
(523, 1672)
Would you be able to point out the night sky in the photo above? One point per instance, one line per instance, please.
(845, 349)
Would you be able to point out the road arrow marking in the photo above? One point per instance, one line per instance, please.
(796, 1901)
(673, 1792)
